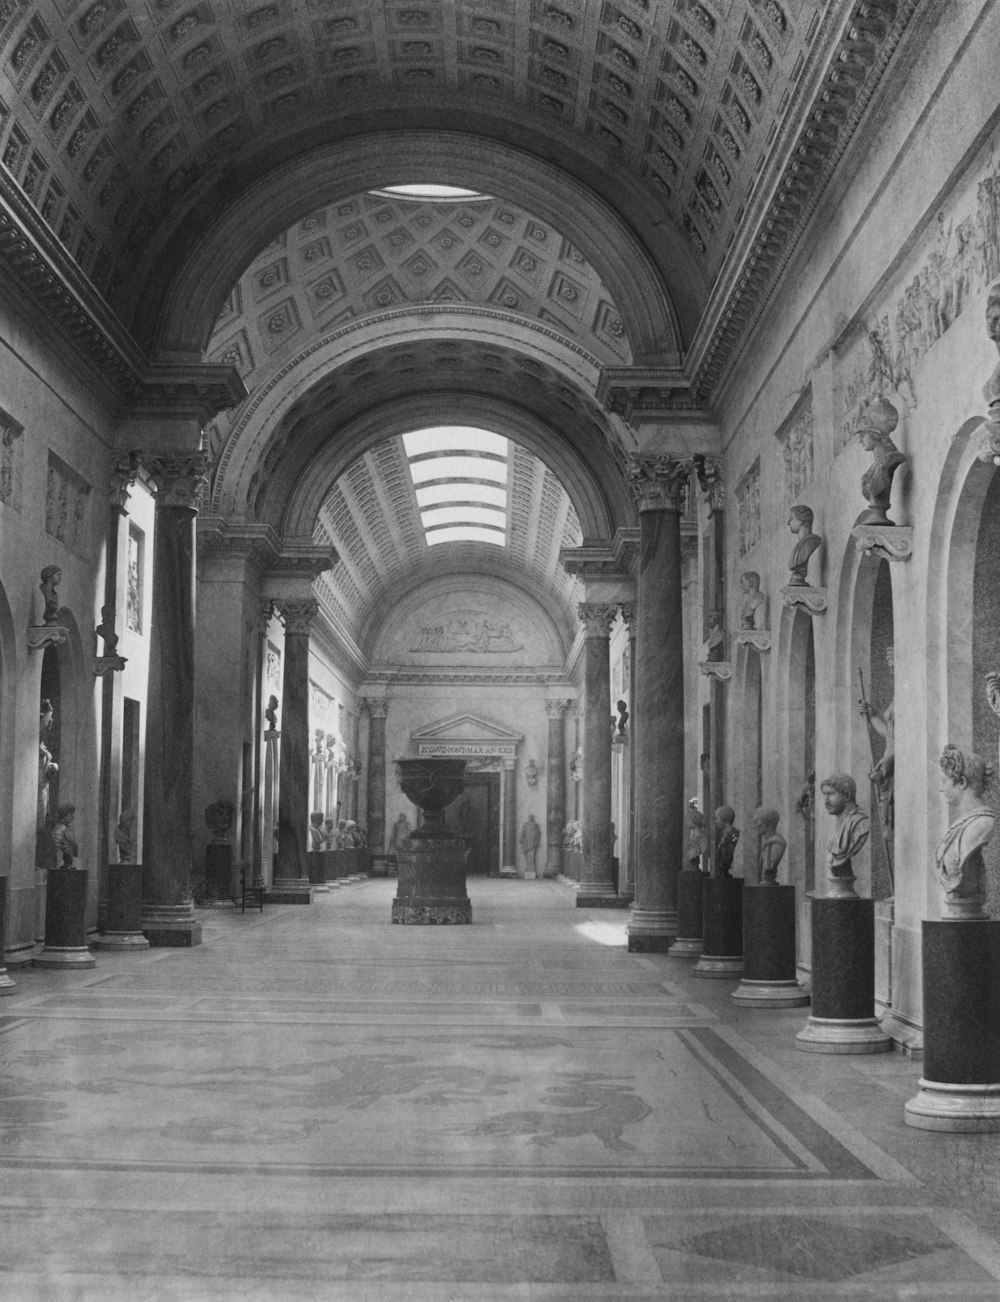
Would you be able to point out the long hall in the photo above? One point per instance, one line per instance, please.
(315, 1104)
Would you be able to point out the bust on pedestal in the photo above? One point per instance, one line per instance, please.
(65, 902)
(123, 923)
(769, 927)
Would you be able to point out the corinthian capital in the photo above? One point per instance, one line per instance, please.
(377, 708)
(124, 473)
(660, 483)
(180, 477)
(555, 709)
(596, 618)
(298, 614)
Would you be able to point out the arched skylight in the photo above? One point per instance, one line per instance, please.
(438, 193)
(460, 477)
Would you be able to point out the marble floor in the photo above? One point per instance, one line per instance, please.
(315, 1104)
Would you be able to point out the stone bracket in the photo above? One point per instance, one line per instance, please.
(718, 669)
(812, 600)
(758, 638)
(891, 542)
(42, 635)
(987, 439)
(109, 664)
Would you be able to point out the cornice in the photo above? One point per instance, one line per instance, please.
(218, 539)
(834, 95)
(637, 392)
(193, 390)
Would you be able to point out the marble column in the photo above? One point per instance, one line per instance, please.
(555, 788)
(167, 907)
(628, 610)
(291, 879)
(659, 486)
(508, 866)
(597, 879)
(377, 710)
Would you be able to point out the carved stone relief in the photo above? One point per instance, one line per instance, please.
(66, 498)
(796, 439)
(748, 508)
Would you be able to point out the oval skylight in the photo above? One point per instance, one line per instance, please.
(437, 193)
(460, 477)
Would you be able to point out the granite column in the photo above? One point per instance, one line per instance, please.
(508, 855)
(659, 486)
(597, 880)
(291, 880)
(377, 710)
(167, 907)
(555, 788)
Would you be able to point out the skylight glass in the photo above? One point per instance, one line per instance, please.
(460, 480)
(432, 192)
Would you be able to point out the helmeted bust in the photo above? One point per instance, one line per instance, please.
(874, 430)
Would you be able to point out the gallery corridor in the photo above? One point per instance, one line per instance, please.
(317, 1105)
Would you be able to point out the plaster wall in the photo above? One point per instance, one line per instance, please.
(887, 300)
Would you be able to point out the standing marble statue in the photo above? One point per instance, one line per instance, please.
(400, 832)
(800, 523)
(993, 696)
(753, 610)
(697, 838)
(726, 837)
(850, 832)
(124, 835)
(875, 426)
(531, 839)
(50, 582)
(961, 872)
(772, 845)
(62, 835)
(883, 774)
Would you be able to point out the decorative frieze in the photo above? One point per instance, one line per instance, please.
(748, 509)
(795, 438)
(66, 497)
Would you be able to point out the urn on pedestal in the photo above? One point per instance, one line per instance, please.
(431, 882)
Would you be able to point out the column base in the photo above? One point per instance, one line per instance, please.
(603, 900)
(843, 1035)
(121, 940)
(769, 994)
(7, 986)
(65, 956)
(411, 912)
(686, 947)
(170, 926)
(961, 1109)
(651, 931)
(289, 890)
(648, 944)
(724, 967)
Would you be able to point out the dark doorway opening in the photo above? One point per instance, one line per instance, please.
(475, 815)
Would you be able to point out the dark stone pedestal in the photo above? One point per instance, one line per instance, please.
(123, 928)
(316, 868)
(843, 980)
(572, 864)
(722, 929)
(65, 926)
(960, 1086)
(769, 949)
(7, 986)
(219, 871)
(690, 908)
(431, 883)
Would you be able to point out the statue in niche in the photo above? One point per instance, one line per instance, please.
(772, 845)
(576, 766)
(850, 832)
(271, 714)
(219, 819)
(993, 694)
(753, 610)
(317, 838)
(573, 837)
(124, 836)
(355, 837)
(959, 854)
(47, 766)
(883, 774)
(697, 839)
(874, 430)
(51, 576)
(991, 390)
(531, 839)
(726, 837)
(340, 835)
(800, 522)
(805, 805)
(62, 836)
(400, 832)
(622, 709)
(531, 773)
(715, 638)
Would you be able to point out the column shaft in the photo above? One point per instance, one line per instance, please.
(509, 855)
(376, 777)
(597, 880)
(658, 713)
(555, 789)
(291, 880)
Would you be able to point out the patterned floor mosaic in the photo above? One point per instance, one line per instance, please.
(317, 1104)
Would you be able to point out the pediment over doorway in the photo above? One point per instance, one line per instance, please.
(465, 735)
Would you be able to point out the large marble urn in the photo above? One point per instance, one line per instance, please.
(431, 882)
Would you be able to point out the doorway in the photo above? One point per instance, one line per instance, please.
(475, 815)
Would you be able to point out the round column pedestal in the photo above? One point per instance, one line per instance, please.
(722, 929)
(431, 884)
(123, 929)
(690, 908)
(7, 985)
(960, 1087)
(65, 927)
(843, 980)
(769, 949)
(316, 868)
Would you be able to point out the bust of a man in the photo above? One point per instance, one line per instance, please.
(850, 832)
(961, 872)
(772, 844)
(800, 523)
(62, 835)
(753, 608)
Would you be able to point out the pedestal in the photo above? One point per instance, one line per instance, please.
(960, 1087)
(573, 864)
(843, 980)
(219, 870)
(690, 909)
(316, 869)
(7, 986)
(431, 885)
(769, 949)
(123, 928)
(722, 929)
(65, 926)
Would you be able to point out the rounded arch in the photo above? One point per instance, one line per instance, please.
(177, 315)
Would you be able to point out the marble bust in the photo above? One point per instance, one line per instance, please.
(961, 872)
(772, 844)
(62, 835)
(753, 610)
(874, 431)
(317, 838)
(850, 832)
(727, 835)
(800, 522)
(50, 582)
(697, 838)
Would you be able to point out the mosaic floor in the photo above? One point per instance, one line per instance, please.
(315, 1104)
